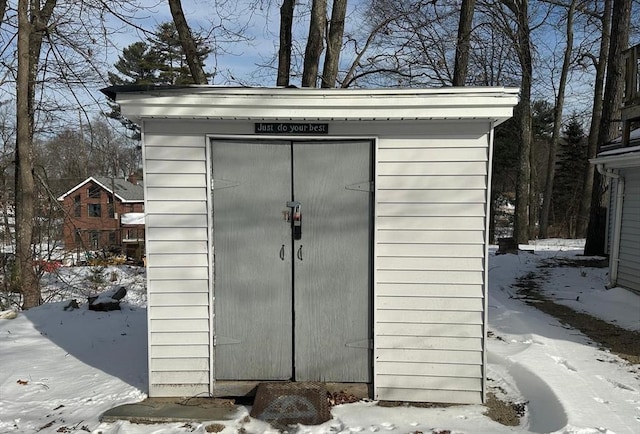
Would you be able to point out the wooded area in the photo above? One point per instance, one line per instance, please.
(564, 55)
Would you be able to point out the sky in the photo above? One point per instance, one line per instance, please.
(61, 369)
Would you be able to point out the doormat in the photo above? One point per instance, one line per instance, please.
(284, 404)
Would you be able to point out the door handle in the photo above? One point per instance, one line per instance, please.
(299, 254)
(282, 252)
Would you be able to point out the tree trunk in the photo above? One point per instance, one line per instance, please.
(315, 44)
(463, 44)
(284, 51)
(612, 102)
(596, 116)
(334, 44)
(189, 45)
(557, 123)
(25, 279)
(523, 183)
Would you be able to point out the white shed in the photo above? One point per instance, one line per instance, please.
(325, 235)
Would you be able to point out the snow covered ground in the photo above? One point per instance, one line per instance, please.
(60, 369)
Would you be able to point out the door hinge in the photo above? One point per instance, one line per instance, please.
(367, 186)
(219, 184)
(364, 343)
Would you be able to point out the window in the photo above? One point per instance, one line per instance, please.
(94, 240)
(112, 238)
(94, 209)
(78, 237)
(77, 206)
(94, 192)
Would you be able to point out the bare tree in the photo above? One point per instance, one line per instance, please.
(334, 43)
(464, 42)
(188, 42)
(315, 44)
(557, 123)
(600, 64)
(612, 102)
(284, 50)
(522, 44)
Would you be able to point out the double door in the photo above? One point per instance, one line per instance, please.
(291, 230)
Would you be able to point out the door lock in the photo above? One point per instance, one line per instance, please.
(295, 217)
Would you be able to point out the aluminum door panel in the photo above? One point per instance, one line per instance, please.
(331, 285)
(253, 280)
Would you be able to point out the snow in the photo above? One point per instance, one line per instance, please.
(132, 218)
(61, 369)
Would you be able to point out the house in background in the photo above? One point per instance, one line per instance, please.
(619, 162)
(620, 165)
(105, 214)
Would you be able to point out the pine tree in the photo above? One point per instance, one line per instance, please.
(567, 189)
(159, 61)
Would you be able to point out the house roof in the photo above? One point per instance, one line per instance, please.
(614, 155)
(124, 190)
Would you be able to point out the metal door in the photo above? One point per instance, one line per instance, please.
(331, 297)
(252, 260)
(288, 308)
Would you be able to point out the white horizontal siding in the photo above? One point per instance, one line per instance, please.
(432, 250)
(629, 253)
(428, 329)
(432, 369)
(177, 221)
(179, 351)
(431, 209)
(426, 357)
(429, 290)
(190, 364)
(446, 168)
(178, 207)
(428, 236)
(179, 298)
(472, 182)
(171, 285)
(179, 325)
(430, 303)
(177, 389)
(418, 154)
(180, 338)
(430, 223)
(429, 395)
(432, 317)
(177, 247)
(176, 179)
(172, 273)
(163, 167)
(429, 263)
(452, 223)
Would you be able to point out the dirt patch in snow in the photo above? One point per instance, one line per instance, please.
(505, 413)
(622, 342)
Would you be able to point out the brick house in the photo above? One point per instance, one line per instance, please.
(104, 214)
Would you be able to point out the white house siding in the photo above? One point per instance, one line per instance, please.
(177, 221)
(629, 259)
(430, 256)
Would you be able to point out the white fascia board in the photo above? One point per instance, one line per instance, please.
(618, 161)
(209, 102)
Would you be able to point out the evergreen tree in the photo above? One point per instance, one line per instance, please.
(158, 61)
(567, 189)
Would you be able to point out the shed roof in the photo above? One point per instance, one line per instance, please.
(124, 190)
(313, 104)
